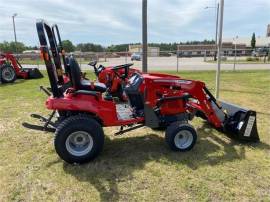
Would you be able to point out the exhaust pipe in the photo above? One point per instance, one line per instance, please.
(240, 123)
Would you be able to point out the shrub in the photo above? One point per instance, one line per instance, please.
(252, 59)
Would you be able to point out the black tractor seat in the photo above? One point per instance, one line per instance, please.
(96, 86)
(78, 82)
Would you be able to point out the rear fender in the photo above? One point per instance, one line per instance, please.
(103, 109)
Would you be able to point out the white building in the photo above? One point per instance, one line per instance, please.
(31, 51)
(152, 51)
(260, 41)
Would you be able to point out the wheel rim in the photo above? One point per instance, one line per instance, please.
(183, 139)
(8, 74)
(79, 143)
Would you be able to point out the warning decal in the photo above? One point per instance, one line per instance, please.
(249, 127)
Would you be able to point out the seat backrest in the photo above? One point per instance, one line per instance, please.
(75, 72)
(136, 99)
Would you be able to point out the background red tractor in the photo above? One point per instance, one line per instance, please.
(11, 69)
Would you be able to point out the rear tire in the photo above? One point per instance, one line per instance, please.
(181, 136)
(8, 74)
(79, 139)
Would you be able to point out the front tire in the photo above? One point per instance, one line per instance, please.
(181, 136)
(8, 74)
(79, 139)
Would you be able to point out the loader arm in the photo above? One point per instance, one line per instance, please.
(202, 101)
(233, 120)
(16, 65)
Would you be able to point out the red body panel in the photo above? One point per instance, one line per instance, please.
(167, 86)
(105, 110)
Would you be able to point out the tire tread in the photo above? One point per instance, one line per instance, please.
(68, 124)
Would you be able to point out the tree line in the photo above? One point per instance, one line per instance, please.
(13, 47)
(91, 47)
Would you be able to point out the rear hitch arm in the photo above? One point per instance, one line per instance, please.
(45, 90)
(46, 121)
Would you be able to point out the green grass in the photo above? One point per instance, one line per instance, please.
(137, 166)
(28, 61)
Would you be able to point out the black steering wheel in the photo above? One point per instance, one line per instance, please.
(124, 66)
(96, 69)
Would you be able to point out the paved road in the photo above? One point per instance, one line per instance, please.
(170, 63)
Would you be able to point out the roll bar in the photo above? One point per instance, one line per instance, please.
(60, 48)
(54, 68)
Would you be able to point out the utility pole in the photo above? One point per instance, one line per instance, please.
(144, 35)
(217, 13)
(177, 60)
(234, 52)
(14, 30)
(216, 34)
(219, 47)
(126, 55)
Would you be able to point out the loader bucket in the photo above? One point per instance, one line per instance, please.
(240, 123)
(33, 73)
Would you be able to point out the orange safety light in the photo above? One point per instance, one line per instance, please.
(44, 55)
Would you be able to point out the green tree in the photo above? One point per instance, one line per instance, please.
(10, 47)
(253, 41)
(162, 46)
(68, 46)
(118, 48)
(89, 47)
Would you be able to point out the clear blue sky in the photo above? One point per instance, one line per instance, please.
(119, 21)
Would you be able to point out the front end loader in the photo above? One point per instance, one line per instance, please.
(235, 121)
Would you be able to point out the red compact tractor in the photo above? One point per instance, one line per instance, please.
(11, 69)
(154, 100)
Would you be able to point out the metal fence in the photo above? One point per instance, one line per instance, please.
(167, 60)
